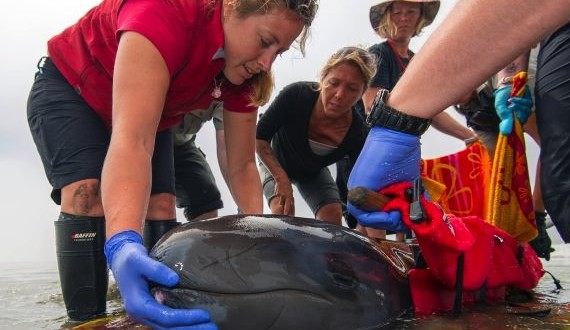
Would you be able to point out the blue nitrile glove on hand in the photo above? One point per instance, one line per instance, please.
(132, 269)
(387, 157)
(506, 106)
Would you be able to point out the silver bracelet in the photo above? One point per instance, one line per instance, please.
(470, 140)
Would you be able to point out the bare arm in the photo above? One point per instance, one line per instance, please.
(222, 157)
(446, 124)
(265, 154)
(283, 186)
(243, 177)
(504, 77)
(140, 83)
(431, 82)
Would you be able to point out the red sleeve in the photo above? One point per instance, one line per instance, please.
(162, 23)
(237, 98)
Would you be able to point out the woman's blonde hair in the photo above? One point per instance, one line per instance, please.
(305, 10)
(262, 87)
(388, 29)
(360, 58)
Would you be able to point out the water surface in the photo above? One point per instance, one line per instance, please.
(30, 298)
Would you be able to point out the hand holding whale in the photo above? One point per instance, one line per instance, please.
(132, 269)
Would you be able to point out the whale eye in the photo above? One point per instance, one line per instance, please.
(344, 282)
(341, 272)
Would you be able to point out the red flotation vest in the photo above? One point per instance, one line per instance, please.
(464, 255)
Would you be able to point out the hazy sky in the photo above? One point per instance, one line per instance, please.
(27, 211)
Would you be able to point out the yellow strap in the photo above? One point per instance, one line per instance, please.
(434, 188)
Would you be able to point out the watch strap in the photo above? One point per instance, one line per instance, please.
(383, 115)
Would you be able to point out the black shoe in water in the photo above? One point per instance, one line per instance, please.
(542, 244)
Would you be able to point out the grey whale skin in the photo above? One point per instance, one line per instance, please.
(281, 273)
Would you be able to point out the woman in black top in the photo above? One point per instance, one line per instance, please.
(310, 126)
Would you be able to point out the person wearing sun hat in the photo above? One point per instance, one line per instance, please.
(398, 22)
(381, 22)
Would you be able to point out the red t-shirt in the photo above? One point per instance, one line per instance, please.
(188, 34)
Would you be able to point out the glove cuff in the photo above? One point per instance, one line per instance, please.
(390, 135)
(117, 241)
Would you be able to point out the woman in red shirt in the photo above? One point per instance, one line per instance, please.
(133, 69)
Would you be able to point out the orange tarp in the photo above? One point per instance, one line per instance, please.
(466, 175)
(498, 191)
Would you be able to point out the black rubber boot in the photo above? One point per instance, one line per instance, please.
(542, 244)
(154, 229)
(83, 271)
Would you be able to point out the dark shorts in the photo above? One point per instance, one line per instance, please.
(317, 191)
(196, 187)
(72, 140)
(552, 96)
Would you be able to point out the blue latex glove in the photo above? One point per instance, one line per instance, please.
(380, 220)
(506, 106)
(387, 157)
(132, 269)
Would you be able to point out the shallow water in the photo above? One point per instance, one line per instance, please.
(30, 299)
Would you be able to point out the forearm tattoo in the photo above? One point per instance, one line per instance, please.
(512, 69)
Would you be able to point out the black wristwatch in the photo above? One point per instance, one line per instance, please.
(383, 115)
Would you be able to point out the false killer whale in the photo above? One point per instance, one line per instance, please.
(278, 272)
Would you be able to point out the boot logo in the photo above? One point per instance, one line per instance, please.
(83, 236)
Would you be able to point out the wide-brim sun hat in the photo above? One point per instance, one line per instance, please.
(377, 11)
